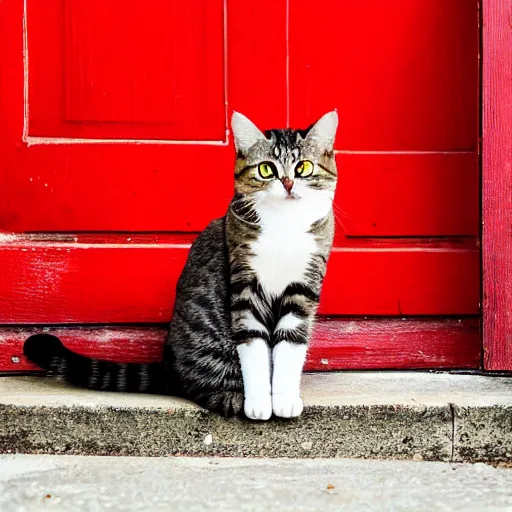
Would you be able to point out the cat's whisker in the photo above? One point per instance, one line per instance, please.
(339, 221)
(337, 209)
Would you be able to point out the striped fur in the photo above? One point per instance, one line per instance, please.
(249, 291)
(49, 353)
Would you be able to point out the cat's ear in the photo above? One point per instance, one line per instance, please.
(323, 132)
(245, 132)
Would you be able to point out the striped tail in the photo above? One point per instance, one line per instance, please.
(50, 354)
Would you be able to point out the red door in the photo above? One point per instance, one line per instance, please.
(115, 151)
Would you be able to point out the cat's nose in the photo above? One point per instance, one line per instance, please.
(287, 184)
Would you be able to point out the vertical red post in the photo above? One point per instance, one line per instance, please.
(497, 184)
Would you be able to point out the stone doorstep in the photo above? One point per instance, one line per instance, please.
(384, 415)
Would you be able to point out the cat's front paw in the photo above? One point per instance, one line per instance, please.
(258, 407)
(287, 405)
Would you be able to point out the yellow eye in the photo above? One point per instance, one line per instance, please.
(304, 169)
(266, 170)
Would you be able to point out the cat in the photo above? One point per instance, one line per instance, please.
(248, 294)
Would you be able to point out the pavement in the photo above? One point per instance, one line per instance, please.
(379, 415)
(69, 483)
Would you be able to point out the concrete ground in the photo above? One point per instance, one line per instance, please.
(384, 415)
(69, 483)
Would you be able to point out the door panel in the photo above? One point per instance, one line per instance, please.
(95, 143)
(403, 74)
(56, 184)
(404, 77)
(127, 69)
(397, 195)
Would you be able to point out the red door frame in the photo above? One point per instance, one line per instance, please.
(497, 184)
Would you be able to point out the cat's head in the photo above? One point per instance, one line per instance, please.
(285, 164)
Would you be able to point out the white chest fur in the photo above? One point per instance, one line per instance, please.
(282, 254)
(284, 248)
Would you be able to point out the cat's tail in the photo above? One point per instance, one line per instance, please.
(50, 354)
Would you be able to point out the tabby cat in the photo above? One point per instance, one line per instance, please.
(247, 297)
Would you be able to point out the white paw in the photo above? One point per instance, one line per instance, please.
(258, 407)
(287, 405)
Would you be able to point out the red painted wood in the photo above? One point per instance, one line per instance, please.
(395, 344)
(403, 279)
(408, 194)
(336, 344)
(497, 184)
(100, 281)
(129, 187)
(73, 187)
(122, 344)
(127, 69)
(257, 61)
(403, 75)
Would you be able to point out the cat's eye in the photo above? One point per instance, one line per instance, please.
(266, 170)
(304, 169)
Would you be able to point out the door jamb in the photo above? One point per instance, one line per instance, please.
(497, 183)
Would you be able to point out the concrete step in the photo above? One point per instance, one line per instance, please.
(386, 415)
(72, 483)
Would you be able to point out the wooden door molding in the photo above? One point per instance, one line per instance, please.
(497, 184)
(337, 344)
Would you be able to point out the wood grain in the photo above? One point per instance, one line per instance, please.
(497, 184)
(124, 280)
(338, 344)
